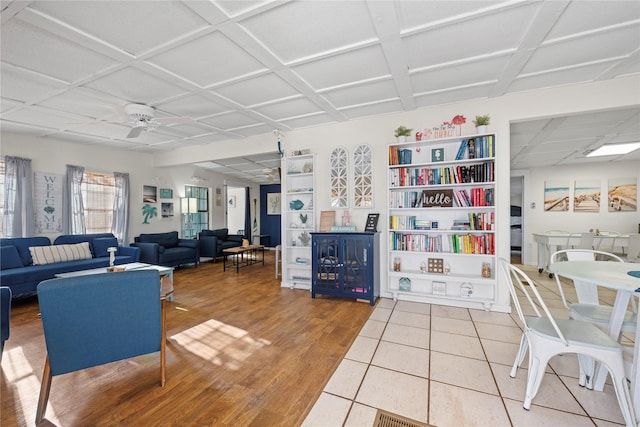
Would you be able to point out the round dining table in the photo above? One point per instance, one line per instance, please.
(623, 277)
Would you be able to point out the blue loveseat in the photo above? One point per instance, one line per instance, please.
(213, 242)
(19, 271)
(167, 249)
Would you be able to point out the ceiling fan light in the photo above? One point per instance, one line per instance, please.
(614, 149)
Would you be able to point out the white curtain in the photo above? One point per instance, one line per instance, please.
(73, 207)
(120, 222)
(18, 218)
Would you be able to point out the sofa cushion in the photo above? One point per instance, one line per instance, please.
(221, 233)
(168, 240)
(176, 255)
(23, 244)
(59, 253)
(101, 244)
(9, 258)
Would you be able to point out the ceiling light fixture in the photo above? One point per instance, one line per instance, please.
(614, 149)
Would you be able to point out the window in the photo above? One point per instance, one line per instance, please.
(194, 222)
(98, 193)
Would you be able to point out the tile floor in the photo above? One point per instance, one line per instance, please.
(450, 367)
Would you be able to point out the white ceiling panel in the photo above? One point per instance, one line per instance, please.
(133, 26)
(258, 90)
(135, 86)
(354, 66)
(289, 109)
(458, 75)
(299, 30)
(24, 88)
(240, 69)
(362, 94)
(583, 50)
(36, 49)
(583, 16)
(208, 60)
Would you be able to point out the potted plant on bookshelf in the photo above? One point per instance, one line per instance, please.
(402, 133)
(481, 123)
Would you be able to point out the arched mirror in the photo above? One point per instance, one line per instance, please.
(363, 177)
(338, 178)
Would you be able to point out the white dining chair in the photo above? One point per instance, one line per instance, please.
(545, 337)
(633, 250)
(606, 241)
(586, 240)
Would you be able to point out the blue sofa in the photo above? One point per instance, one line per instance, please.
(18, 272)
(167, 249)
(213, 242)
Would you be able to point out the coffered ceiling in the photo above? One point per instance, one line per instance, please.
(224, 70)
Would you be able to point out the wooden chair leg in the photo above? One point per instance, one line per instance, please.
(44, 392)
(163, 345)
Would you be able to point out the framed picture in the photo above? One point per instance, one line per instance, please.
(166, 209)
(372, 222)
(231, 201)
(149, 194)
(166, 193)
(273, 204)
(437, 154)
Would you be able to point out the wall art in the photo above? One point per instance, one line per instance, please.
(586, 196)
(149, 194)
(622, 194)
(556, 196)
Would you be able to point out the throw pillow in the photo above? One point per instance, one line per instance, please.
(9, 258)
(101, 244)
(59, 253)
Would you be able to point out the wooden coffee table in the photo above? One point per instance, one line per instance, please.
(238, 255)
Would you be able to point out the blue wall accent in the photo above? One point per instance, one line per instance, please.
(269, 224)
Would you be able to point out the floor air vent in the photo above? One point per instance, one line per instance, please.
(387, 419)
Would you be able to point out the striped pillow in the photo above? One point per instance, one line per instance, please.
(59, 253)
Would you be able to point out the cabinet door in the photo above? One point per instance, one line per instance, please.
(355, 257)
(326, 265)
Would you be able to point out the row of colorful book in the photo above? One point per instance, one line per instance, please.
(408, 222)
(476, 148)
(472, 243)
(461, 174)
(415, 242)
(475, 197)
(399, 156)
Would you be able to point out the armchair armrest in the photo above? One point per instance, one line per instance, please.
(208, 246)
(235, 238)
(130, 251)
(191, 243)
(149, 252)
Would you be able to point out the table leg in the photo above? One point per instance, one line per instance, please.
(163, 343)
(635, 373)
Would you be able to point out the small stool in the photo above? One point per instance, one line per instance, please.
(278, 261)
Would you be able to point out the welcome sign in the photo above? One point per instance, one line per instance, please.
(437, 198)
(47, 204)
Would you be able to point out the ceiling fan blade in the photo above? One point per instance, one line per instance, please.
(135, 132)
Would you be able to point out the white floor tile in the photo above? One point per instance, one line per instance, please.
(463, 372)
(413, 307)
(453, 312)
(454, 326)
(386, 303)
(381, 314)
(361, 415)
(499, 333)
(408, 335)
(402, 358)
(539, 416)
(456, 344)
(362, 349)
(410, 319)
(492, 318)
(598, 404)
(395, 392)
(452, 406)
(328, 411)
(373, 329)
(347, 378)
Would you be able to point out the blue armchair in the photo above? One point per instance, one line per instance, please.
(5, 315)
(167, 249)
(96, 319)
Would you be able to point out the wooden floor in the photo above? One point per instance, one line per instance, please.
(242, 351)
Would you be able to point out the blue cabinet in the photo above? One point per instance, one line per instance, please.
(346, 265)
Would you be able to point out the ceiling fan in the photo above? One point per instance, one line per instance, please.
(142, 118)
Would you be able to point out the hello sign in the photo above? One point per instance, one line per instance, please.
(437, 198)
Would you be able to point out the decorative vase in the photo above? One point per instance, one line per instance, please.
(481, 129)
(402, 139)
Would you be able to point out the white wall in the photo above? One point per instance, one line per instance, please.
(536, 220)
(235, 216)
(376, 131)
(53, 156)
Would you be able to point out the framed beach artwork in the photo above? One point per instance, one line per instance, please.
(622, 194)
(166, 209)
(166, 193)
(273, 203)
(149, 194)
(556, 196)
(586, 196)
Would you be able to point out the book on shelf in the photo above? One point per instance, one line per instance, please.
(471, 145)
(461, 150)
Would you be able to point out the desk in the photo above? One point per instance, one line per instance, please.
(548, 243)
(611, 275)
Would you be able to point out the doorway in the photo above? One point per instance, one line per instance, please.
(516, 236)
(235, 209)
